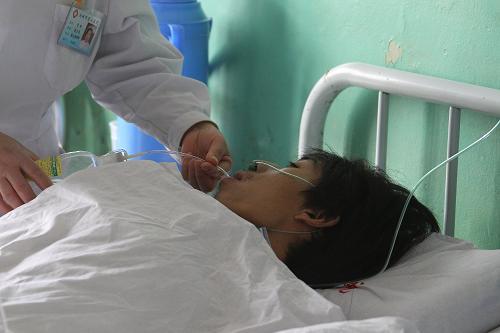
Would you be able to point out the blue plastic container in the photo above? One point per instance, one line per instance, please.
(184, 23)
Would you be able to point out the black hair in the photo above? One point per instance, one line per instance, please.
(369, 205)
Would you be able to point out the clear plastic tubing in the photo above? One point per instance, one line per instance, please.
(405, 207)
(451, 158)
(126, 157)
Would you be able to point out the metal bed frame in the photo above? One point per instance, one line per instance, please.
(395, 82)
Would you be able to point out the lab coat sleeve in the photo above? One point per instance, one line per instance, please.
(135, 74)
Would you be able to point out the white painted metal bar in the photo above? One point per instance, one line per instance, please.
(382, 128)
(391, 81)
(450, 191)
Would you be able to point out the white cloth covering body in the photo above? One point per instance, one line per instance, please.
(133, 71)
(131, 247)
(374, 325)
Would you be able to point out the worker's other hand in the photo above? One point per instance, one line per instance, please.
(17, 164)
(206, 141)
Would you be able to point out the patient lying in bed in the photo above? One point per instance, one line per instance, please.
(131, 247)
(328, 218)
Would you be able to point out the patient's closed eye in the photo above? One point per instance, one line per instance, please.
(252, 166)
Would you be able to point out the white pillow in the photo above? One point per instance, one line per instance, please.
(132, 248)
(443, 284)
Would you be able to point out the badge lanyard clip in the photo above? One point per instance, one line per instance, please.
(84, 4)
(79, 4)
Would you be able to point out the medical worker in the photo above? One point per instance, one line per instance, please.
(129, 68)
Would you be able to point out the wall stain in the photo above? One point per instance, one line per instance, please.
(393, 54)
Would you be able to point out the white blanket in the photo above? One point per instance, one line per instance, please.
(132, 248)
(374, 325)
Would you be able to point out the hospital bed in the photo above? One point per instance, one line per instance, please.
(443, 284)
(130, 247)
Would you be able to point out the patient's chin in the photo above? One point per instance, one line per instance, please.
(224, 197)
(221, 189)
(215, 191)
(219, 196)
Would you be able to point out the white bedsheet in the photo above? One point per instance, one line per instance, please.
(374, 325)
(132, 248)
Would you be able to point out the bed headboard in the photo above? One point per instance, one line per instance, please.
(388, 82)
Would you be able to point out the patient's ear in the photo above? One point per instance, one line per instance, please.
(315, 219)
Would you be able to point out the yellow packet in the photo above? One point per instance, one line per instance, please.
(51, 166)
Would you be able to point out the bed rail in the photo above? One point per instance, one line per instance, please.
(388, 82)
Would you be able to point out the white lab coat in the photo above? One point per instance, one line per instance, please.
(133, 72)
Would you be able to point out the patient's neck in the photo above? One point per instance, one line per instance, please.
(281, 242)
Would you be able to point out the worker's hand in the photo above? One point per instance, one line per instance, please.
(206, 141)
(16, 164)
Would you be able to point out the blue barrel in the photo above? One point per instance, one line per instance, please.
(186, 26)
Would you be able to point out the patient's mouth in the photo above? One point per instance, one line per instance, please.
(228, 179)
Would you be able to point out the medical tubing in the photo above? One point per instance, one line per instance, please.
(410, 195)
(282, 171)
(420, 181)
(174, 152)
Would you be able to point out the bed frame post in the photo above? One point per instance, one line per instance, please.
(450, 192)
(381, 139)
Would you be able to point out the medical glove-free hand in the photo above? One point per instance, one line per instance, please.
(206, 141)
(17, 164)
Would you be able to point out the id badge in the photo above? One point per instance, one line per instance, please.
(81, 30)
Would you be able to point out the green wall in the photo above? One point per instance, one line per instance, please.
(267, 54)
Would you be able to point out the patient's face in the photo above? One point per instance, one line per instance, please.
(267, 197)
